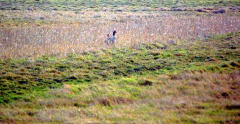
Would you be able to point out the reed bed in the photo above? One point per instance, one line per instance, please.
(29, 40)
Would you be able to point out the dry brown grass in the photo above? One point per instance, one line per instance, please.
(110, 101)
(190, 96)
(76, 33)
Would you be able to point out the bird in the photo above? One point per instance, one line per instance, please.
(114, 38)
(107, 39)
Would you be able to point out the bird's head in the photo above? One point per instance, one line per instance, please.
(114, 32)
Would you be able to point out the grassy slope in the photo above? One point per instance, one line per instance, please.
(94, 4)
(188, 82)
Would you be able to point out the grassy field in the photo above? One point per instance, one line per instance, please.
(192, 82)
(175, 61)
(76, 5)
(61, 33)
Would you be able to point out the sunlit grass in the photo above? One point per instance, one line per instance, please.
(32, 40)
(175, 61)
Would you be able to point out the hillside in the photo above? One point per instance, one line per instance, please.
(175, 61)
(183, 82)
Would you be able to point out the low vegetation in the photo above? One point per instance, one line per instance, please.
(175, 61)
(187, 82)
(63, 33)
(97, 5)
(29, 29)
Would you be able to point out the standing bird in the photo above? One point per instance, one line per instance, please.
(114, 38)
(107, 39)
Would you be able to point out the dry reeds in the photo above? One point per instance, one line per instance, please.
(32, 40)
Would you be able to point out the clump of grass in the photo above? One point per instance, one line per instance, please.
(235, 64)
(146, 83)
(110, 101)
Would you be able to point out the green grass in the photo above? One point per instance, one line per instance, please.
(20, 76)
(76, 5)
(192, 82)
(189, 82)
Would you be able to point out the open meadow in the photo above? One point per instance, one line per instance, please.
(175, 61)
